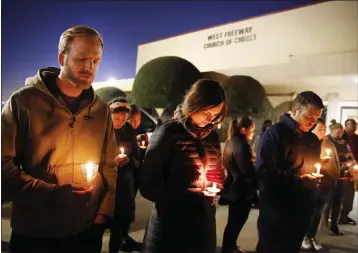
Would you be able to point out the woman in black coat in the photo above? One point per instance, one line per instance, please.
(240, 184)
(183, 159)
(135, 120)
(124, 211)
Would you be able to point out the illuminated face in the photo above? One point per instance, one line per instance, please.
(306, 117)
(81, 62)
(320, 131)
(248, 132)
(338, 133)
(135, 120)
(206, 116)
(119, 119)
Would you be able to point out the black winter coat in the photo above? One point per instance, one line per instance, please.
(238, 160)
(142, 138)
(283, 155)
(125, 190)
(182, 218)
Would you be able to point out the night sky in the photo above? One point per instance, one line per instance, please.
(31, 29)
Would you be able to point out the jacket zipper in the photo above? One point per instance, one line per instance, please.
(72, 125)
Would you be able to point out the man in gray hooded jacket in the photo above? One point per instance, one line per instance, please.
(49, 128)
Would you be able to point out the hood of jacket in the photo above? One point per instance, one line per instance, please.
(44, 75)
(45, 81)
(43, 146)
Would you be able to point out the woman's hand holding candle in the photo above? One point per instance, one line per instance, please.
(121, 159)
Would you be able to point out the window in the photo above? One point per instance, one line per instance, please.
(147, 124)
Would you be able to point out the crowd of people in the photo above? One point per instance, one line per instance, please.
(55, 124)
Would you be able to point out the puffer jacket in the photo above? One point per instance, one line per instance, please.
(43, 146)
(182, 218)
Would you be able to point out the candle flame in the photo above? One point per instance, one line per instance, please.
(143, 143)
(90, 170)
(328, 151)
(122, 151)
(214, 185)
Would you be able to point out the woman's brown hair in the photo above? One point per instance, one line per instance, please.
(335, 125)
(204, 94)
(236, 125)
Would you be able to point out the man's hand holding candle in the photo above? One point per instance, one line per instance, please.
(62, 193)
(309, 176)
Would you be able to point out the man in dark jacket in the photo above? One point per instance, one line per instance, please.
(128, 162)
(286, 157)
(348, 189)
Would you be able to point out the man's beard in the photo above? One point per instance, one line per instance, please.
(76, 82)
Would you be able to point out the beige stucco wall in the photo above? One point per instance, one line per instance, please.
(324, 28)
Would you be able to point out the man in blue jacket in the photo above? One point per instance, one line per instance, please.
(286, 158)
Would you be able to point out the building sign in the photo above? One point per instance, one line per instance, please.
(231, 37)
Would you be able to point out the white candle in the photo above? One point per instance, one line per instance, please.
(318, 166)
(122, 155)
(143, 145)
(328, 152)
(89, 171)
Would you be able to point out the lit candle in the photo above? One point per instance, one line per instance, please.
(318, 166)
(355, 167)
(89, 171)
(213, 189)
(328, 152)
(122, 155)
(318, 173)
(143, 145)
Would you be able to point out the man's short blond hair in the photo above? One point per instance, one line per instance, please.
(76, 31)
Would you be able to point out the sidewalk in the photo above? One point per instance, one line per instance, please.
(248, 237)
